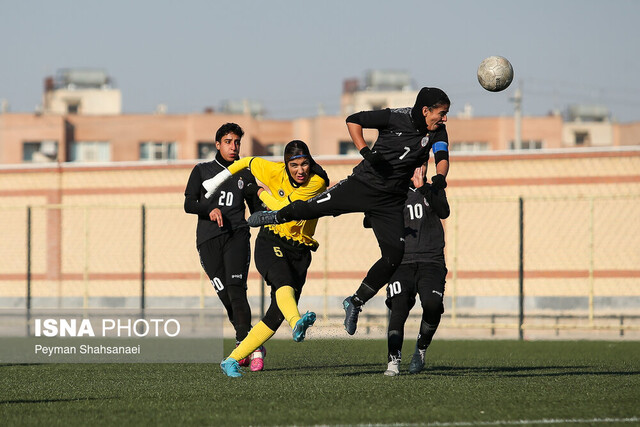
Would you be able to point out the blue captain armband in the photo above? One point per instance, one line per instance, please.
(440, 151)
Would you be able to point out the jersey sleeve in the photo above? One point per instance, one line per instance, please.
(437, 199)
(265, 170)
(238, 165)
(192, 202)
(440, 147)
(377, 119)
(271, 202)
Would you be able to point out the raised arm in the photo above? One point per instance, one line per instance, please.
(212, 184)
(372, 120)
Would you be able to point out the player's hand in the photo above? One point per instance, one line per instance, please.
(377, 161)
(216, 216)
(418, 177)
(373, 157)
(212, 184)
(438, 182)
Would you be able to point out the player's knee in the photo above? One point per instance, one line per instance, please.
(237, 291)
(273, 317)
(400, 307)
(433, 304)
(393, 255)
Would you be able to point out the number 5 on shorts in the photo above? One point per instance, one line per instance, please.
(277, 251)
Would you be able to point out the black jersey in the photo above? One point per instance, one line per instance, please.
(230, 199)
(424, 234)
(400, 143)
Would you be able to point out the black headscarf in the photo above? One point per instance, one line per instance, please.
(297, 149)
(427, 97)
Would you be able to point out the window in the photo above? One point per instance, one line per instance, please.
(73, 107)
(275, 149)
(206, 150)
(469, 146)
(157, 150)
(347, 148)
(40, 151)
(582, 138)
(89, 151)
(527, 145)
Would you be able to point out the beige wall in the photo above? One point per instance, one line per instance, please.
(499, 131)
(89, 101)
(627, 134)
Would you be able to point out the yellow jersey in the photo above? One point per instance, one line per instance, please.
(275, 177)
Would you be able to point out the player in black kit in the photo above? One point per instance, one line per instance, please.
(379, 183)
(422, 271)
(222, 234)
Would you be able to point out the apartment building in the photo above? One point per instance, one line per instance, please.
(81, 121)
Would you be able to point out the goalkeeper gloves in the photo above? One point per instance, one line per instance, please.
(373, 157)
(212, 184)
(438, 182)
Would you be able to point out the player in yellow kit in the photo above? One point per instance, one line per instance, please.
(282, 251)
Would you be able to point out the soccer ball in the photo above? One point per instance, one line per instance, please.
(495, 73)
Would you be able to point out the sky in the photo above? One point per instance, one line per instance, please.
(293, 56)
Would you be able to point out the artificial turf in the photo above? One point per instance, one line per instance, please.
(340, 381)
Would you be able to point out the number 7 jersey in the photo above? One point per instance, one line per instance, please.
(401, 145)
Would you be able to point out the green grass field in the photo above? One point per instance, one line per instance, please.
(341, 382)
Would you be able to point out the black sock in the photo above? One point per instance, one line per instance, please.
(363, 294)
(426, 334)
(394, 343)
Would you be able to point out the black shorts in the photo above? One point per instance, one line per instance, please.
(424, 279)
(384, 210)
(225, 259)
(280, 264)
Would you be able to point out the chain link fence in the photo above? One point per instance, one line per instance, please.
(515, 264)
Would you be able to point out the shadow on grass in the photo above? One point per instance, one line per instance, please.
(3, 365)
(78, 399)
(523, 371)
(454, 371)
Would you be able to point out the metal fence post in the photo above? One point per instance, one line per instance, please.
(454, 273)
(143, 256)
(521, 269)
(591, 260)
(28, 302)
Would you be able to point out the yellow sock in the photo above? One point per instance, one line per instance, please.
(286, 300)
(257, 336)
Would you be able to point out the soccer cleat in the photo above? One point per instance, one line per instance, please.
(417, 361)
(306, 321)
(257, 359)
(351, 312)
(393, 367)
(231, 368)
(260, 218)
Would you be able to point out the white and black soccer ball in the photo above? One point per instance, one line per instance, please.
(495, 73)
